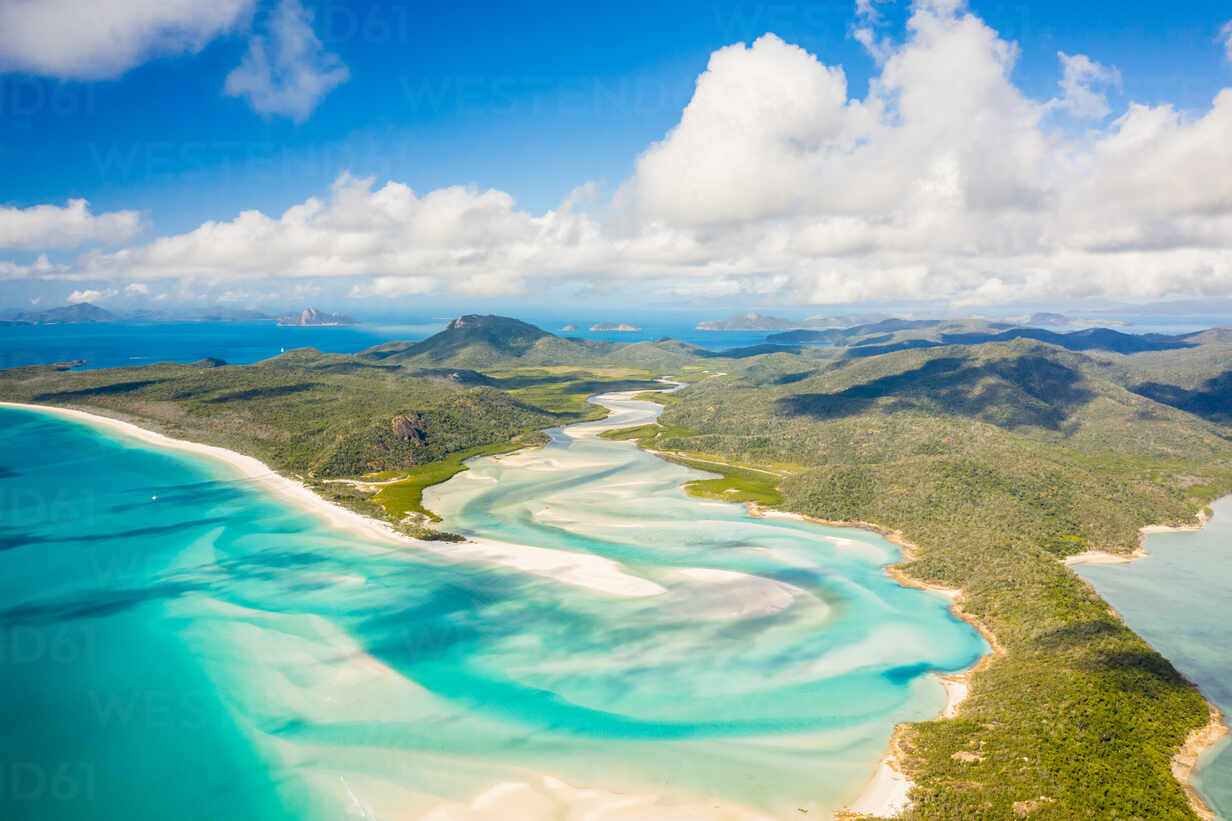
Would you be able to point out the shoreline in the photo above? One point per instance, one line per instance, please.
(886, 795)
(248, 467)
(575, 569)
(1140, 552)
(1201, 739)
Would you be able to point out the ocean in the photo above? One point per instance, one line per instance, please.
(116, 345)
(178, 643)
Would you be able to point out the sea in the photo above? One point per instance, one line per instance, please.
(1178, 598)
(179, 643)
(117, 345)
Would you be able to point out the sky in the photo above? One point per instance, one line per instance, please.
(366, 156)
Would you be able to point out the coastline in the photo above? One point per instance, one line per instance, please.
(1185, 762)
(581, 570)
(247, 466)
(1200, 740)
(1140, 552)
(887, 793)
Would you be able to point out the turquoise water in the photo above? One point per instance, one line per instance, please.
(1178, 599)
(217, 653)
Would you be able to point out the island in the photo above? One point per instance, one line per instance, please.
(754, 321)
(311, 317)
(989, 453)
(751, 321)
(81, 313)
(614, 326)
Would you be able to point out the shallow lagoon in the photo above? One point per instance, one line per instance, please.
(215, 653)
(1178, 599)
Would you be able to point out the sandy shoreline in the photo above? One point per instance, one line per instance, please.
(1140, 552)
(247, 466)
(886, 794)
(1186, 759)
(580, 570)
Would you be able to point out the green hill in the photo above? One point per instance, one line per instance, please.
(996, 458)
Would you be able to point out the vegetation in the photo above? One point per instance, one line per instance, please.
(404, 496)
(996, 458)
(734, 483)
(326, 418)
(995, 461)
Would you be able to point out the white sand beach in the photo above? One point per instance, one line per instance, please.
(579, 569)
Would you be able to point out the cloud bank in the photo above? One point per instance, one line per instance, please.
(84, 40)
(945, 181)
(46, 227)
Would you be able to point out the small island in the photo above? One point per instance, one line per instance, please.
(311, 317)
(81, 313)
(614, 326)
(570, 328)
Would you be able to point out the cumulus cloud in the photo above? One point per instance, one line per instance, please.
(42, 227)
(89, 295)
(945, 181)
(83, 40)
(287, 71)
(1082, 80)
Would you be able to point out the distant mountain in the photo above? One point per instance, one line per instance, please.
(844, 336)
(311, 317)
(81, 313)
(470, 340)
(1045, 318)
(203, 315)
(751, 321)
(1063, 321)
(900, 334)
(754, 321)
(614, 326)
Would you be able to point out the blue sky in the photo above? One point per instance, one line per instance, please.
(532, 101)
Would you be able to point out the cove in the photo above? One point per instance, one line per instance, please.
(177, 642)
(1177, 598)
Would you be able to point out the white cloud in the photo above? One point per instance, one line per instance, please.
(868, 17)
(944, 182)
(89, 295)
(286, 72)
(136, 289)
(51, 226)
(394, 287)
(90, 40)
(1225, 37)
(1081, 80)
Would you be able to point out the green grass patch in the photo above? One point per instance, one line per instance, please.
(734, 484)
(406, 497)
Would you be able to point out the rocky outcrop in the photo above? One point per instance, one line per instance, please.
(410, 428)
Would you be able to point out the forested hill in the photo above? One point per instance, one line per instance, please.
(996, 460)
(995, 456)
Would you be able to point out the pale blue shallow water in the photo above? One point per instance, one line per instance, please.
(217, 653)
(1179, 598)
